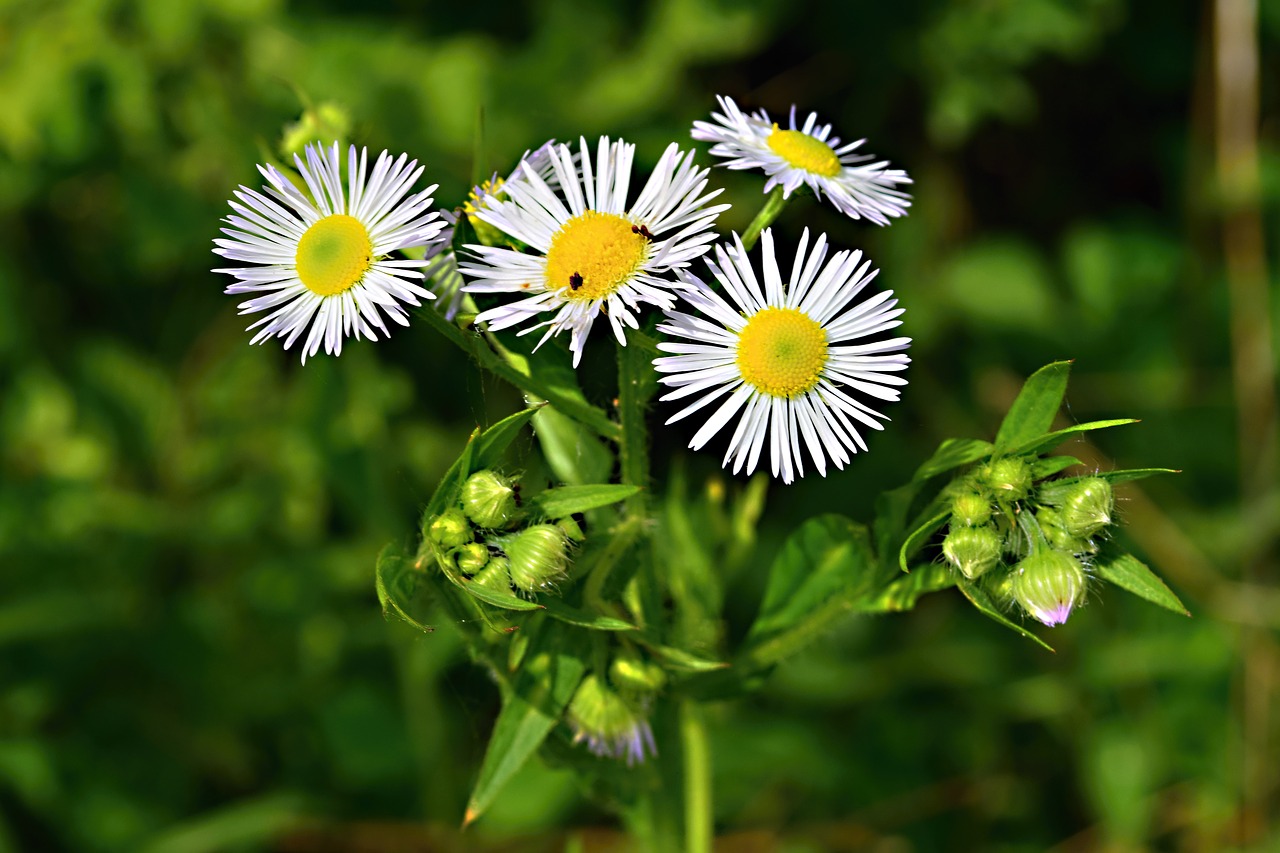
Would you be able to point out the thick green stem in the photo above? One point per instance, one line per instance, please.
(699, 821)
(772, 207)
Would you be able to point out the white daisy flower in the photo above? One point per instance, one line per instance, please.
(806, 155)
(592, 252)
(320, 260)
(789, 360)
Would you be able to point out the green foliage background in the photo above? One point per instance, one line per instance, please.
(191, 654)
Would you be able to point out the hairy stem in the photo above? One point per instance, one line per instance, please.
(772, 207)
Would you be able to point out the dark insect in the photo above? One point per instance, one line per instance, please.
(642, 231)
(575, 280)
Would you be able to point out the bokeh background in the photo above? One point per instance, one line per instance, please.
(191, 653)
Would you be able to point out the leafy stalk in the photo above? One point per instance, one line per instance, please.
(772, 207)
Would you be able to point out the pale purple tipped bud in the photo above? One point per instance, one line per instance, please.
(611, 726)
(1048, 584)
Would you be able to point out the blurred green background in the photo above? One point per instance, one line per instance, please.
(191, 654)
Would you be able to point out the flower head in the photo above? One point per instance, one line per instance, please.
(1048, 584)
(319, 259)
(789, 359)
(610, 725)
(807, 154)
(592, 252)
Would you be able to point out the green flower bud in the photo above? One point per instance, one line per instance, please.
(1050, 521)
(629, 672)
(538, 555)
(1087, 506)
(489, 500)
(970, 509)
(472, 557)
(610, 726)
(972, 550)
(1009, 479)
(449, 529)
(496, 575)
(1048, 584)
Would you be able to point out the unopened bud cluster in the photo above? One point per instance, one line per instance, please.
(1029, 542)
(478, 538)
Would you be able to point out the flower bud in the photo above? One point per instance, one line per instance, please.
(629, 672)
(538, 555)
(1009, 478)
(496, 575)
(970, 509)
(1048, 584)
(1050, 521)
(972, 550)
(449, 529)
(472, 557)
(1086, 507)
(611, 727)
(488, 500)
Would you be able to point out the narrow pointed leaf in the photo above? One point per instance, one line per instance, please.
(397, 584)
(903, 593)
(1131, 574)
(978, 596)
(557, 609)
(951, 454)
(1051, 465)
(567, 500)
(1051, 440)
(917, 538)
(1032, 413)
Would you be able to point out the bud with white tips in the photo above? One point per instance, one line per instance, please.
(489, 500)
(450, 529)
(1087, 506)
(972, 550)
(1009, 479)
(539, 556)
(1048, 584)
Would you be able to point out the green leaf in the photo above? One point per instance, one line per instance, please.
(566, 500)
(1032, 413)
(1131, 574)
(507, 600)
(978, 596)
(1050, 465)
(952, 454)
(825, 567)
(1122, 476)
(1053, 439)
(679, 658)
(918, 537)
(494, 441)
(451, 483)
(464, 234)
(573, 453)
(903, 593)
(530, 711)
(398, 582)
(595, 621)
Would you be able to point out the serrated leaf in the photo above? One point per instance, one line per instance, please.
(1032, 413)
(1051, 440)
(917, 538)
(903, 593)
(595, 621)
(951, 454)
(530, 711)
(396, 582)
(824, 568)
(567, 500)
(1131, 574)
(978, 596)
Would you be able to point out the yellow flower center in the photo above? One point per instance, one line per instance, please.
(804, 152)
(594, 253)
(781, 352)
(334, 254)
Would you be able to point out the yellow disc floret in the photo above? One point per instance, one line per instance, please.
(781, 352)
(804, 152)
(334, 254)
(594, 253)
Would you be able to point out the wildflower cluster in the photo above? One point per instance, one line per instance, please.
(1030, 542)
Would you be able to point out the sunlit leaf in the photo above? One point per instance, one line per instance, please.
(981, 600)
(953, 453)
(1032, 413)
(567, 500)
(1131, 574)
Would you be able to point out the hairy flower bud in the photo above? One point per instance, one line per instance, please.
(496, 575)
(538, 555)
(450, 529)
(1048, 584)
(1009, 479)
(1050, 521)
(1087, 506)
(472, 557)
(972, 550)
(488, 500)
(611, 726)
(970, 509)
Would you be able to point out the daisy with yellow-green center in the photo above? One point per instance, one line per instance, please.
(790, 360)
(810, 155)
(319, 260)
(590, 250)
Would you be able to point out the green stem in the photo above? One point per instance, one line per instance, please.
(772, 207)
(699, 829)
